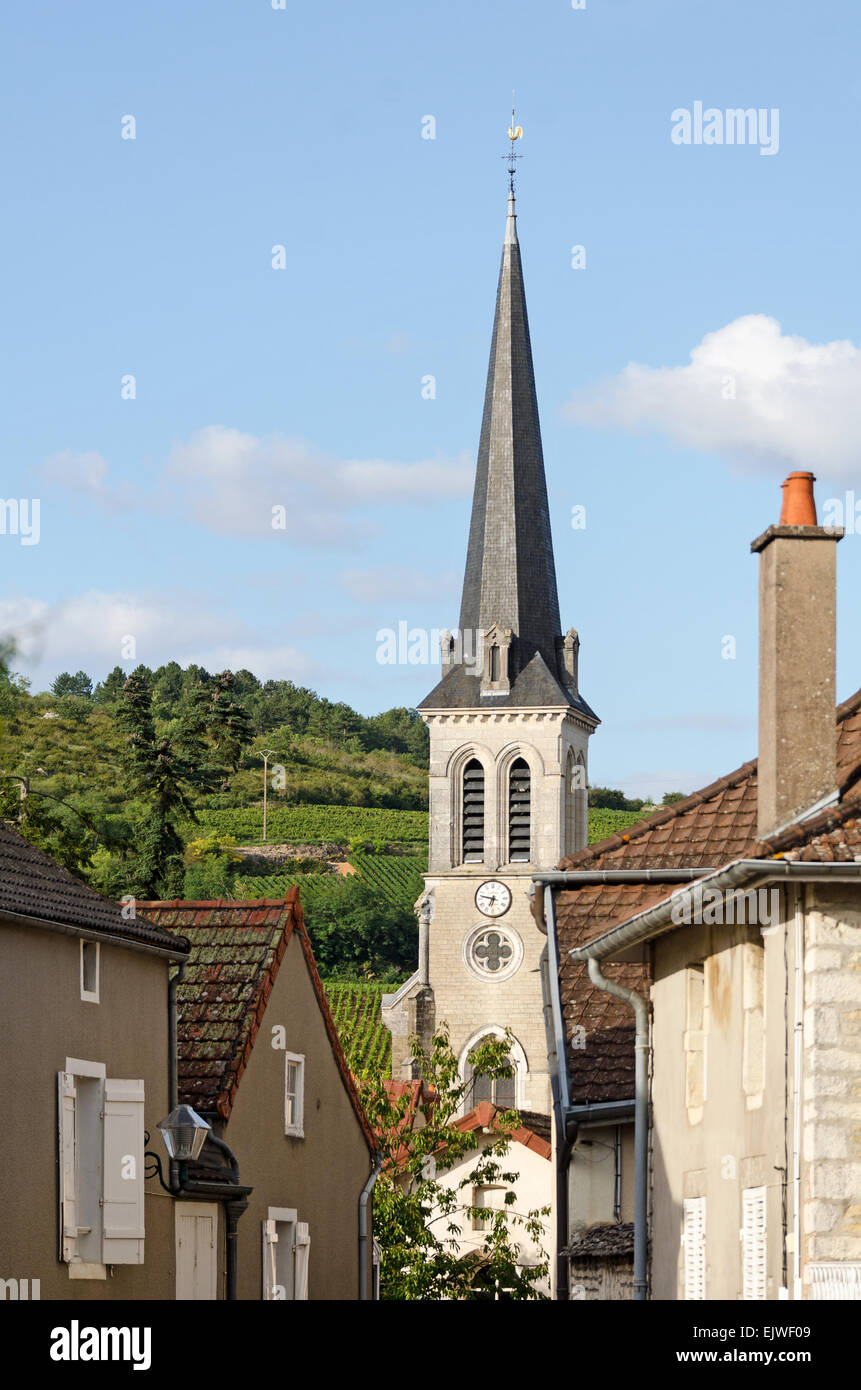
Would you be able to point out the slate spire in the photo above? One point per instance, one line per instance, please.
(510, 578)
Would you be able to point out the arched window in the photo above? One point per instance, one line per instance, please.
(473, 812)
(499, 1090)
(576, 803)
(519, 817)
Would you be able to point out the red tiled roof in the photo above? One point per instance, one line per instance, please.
(705, 830)
(236, 952)
(485, 1115)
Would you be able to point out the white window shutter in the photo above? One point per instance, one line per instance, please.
(270, 1252)
(753, 1243)
(66, 1096)
(303, 1251)
(694, 1241)
(123, 1173)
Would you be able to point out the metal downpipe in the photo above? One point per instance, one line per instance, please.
(641, 1121)
(364, 1226)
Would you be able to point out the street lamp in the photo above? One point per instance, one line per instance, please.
(184, 1133)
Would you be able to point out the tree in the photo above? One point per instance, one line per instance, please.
(358, 935)
(418, 1220)
(229, 723)
(111, 688)
(611, 799)
(163, 776)
(79, 684)
(670, 798)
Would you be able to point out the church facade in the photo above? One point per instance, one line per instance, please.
(509, 733)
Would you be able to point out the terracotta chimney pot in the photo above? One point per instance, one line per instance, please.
(799, 508)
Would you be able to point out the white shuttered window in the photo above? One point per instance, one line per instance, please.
(694, 1247)
(101, 1148)
(286, 1254)
(753, 1243)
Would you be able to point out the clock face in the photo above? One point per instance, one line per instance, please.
(493, 898)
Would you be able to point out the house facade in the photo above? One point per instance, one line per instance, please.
(722, 936)
(85, 1080)
(260, 1060)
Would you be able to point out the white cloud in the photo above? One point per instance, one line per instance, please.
(87, 631)
(240, 484)
(751, 393)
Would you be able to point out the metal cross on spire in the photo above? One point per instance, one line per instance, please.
(515, 132)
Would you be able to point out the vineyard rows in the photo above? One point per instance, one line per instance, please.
(604, 823)
(397, 877)
(338, 824)
(356, 1009)
(317, 823)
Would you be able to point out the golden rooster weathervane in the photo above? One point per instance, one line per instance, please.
(515, 132)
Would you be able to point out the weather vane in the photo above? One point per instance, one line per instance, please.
(515, 132)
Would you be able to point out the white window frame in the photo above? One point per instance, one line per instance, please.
(297, 1233)
(483, 1223)
(117, 1194)
(295, 1127)
(90, 996)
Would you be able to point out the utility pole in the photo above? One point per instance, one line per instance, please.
(267, 754)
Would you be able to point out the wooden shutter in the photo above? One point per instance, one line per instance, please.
(66, 1096)
(270, 1255)
(694, 1241)
(519, 815)
(753, 1243)
(123, 1173)
(303, 1251)
(473, 812)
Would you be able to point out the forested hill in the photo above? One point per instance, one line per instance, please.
(122, 767)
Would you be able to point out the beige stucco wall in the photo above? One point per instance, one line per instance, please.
(739, 1137)
(322, 1175)
(592, 1177)
(42, 1022)
(735, 1138)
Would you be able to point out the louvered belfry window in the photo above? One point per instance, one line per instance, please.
(519, 819)
(473, 812)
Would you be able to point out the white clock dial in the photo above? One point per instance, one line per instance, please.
(493, 898)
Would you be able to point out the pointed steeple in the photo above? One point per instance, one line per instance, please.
(509, 587)
(510, 575)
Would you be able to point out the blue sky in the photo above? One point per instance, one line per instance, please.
(301, 387)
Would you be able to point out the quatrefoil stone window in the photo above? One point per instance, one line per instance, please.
(491, 953)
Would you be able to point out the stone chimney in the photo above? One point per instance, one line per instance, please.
(797, 651)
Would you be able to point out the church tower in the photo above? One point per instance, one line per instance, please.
(509, 732)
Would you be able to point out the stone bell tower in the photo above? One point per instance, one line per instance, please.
(509, 733)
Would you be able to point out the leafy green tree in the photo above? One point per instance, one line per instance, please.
(670, 798)
(79, 684)
(359, 935)
(418, 1219)
(611, 799)
(111, 688)
(167, 689)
